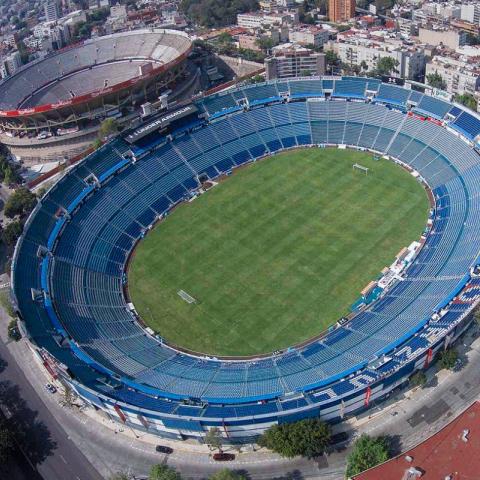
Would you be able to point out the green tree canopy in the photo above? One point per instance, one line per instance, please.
(227, 474)
(418, 379)
(468, 100)
(216, 13)
(108, 127)
(213, 438)
(21, 202)
(6, 442)
(163, 472)
(367, 452)
(436, 81)
(11, 232)
(386, 65)
(476, 315)
(264, 43)
(447, 358)
(332, 58)
(308, 438)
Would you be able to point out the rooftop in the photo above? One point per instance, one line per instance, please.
(451, 453)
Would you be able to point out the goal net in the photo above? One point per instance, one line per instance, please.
(360, 168)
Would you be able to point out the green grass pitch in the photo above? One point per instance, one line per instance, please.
(276, 253)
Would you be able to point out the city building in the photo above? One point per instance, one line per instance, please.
(118, 11)
(258, 19)
(315, 36)
(442, 36)
(292, 60)
(451, 453)
(470, 12)
(9, 64)
(364, 50)
(52, 35)
(407, 27)
(341, 10)
(52, 10)
(252, 40)
(460, 73)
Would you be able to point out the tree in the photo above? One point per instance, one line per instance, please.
(21, 202)
(386, 65)
(96, 144)
(68, 399)
(227, 474)
(468, 100)
(213, 439)
(364, 65)
(322, 6)
(435, 80)
(332, 58)
(12, 232)
(308, 438)
(6, 303)
(9, 177)
(216, 13)
(108, 127)
(224, 37)
(6, 442)
(163, 472)
(367, 452)
(476, 315)
(447, 358)
(256, 79)
(264, 43)
(418, 379)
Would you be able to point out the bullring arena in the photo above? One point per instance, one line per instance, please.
(53, 106)
(70, 277)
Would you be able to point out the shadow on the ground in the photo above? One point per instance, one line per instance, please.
(31, 434)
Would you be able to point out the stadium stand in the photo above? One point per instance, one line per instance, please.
(72, 265)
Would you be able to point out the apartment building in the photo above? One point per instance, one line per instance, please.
(292, 60)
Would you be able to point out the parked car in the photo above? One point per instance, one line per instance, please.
(339, 437)
(50, 388)
(223, 457)
(163, 449)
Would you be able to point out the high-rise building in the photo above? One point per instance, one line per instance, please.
(291, 60)
(52, 10)
(341, 10)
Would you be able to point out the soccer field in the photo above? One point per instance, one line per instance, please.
(276, 253)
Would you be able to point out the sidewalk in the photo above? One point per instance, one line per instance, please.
(111, 446)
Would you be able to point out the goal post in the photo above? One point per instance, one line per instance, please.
(361, 168)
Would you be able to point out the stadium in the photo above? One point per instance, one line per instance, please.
(56, 103)
(71, 268)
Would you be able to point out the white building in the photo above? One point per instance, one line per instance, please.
(9, 64)
(256, 20)
(292, 60)
(471, 13)
(309, 36)
(461, 74)
(54, 35)
(366, 50)
(407, 27)
(443, 36)
(118, 11)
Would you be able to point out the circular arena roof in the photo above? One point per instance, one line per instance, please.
(94, 68)
(72, 256)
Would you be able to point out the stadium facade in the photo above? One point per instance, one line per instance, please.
(56, 103)
(69, 267)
